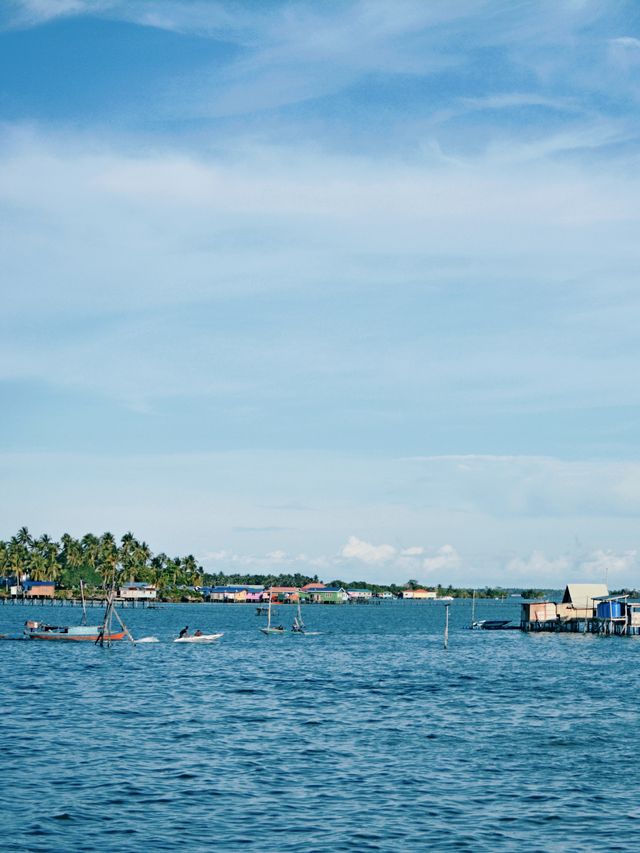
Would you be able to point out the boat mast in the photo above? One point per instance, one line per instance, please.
(109, 613)
(269, 610)
(105, 630)
(473, 608)
(84, 606)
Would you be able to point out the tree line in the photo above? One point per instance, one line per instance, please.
(103, 561)
(100, 561)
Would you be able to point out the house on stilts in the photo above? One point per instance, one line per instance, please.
(586, 608)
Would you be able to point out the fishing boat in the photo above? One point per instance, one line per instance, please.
(70, 633)
(199, 638)
(102, 635)
(83, 633)
(299, 629)
(269, 628)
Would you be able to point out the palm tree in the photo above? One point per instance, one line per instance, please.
(44, 559)
(17, 557)
(190, 570)
(108, 559)
(90, 545)
(158, 568)
(23, 537)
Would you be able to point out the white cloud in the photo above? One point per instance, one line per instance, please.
(606, 564)
(33, 12)
(413, 551)
(357, 549)
(602, 565)
(445, 558)
(103, 232)
(278, 554)
(626, 41)
(539, 568)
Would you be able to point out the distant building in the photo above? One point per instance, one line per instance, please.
(137, 591)
(234, 593)
(383, 594)
(325, 595)
(580, 599)
(418, 593)
(37, 589)
(359, 594)
(285, 593)
(256, 596)
(581, 604)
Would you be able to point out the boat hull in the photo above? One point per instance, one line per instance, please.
(270, 631)
(75, 638)
(199, 641)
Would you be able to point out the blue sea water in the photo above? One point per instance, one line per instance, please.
(368, 737)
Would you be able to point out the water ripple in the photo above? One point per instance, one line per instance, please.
(370, 737)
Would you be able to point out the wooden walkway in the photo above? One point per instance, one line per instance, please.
(608, 627)
(33, 601)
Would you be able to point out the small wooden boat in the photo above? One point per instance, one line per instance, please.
(270, 629)
(71, 633)
(200, 639)
(299, 629)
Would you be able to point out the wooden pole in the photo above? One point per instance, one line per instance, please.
(446, 626)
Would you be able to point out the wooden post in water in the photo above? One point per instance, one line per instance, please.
(446, 626)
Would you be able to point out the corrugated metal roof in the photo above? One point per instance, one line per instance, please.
(583, 594)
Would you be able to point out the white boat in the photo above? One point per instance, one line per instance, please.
(199, 638)
(269, 629)
(298, 629)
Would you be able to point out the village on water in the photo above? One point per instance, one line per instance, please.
(39, 571)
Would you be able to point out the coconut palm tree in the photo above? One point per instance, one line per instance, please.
(108, 559)
(23, 537)
(43, 559)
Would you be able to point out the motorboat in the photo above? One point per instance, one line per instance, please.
(199, 639)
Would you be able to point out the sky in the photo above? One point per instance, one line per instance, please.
(348, 288)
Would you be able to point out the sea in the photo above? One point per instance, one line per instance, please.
(368, 736)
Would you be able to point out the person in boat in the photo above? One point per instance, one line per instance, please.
(198, 633)
(297, 627)
(183, 632)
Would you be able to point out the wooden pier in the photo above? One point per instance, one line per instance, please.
(34, 601)
(604, 627)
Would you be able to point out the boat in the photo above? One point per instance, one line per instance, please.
(473, 624)
(71, 633)
(99, 634)
(200, 639)
(494, 625)
(299, 628)
(269, 628)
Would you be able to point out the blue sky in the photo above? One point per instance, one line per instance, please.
(349, 287)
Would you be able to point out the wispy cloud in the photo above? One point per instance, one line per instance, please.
(357, 549)
(370, 230)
